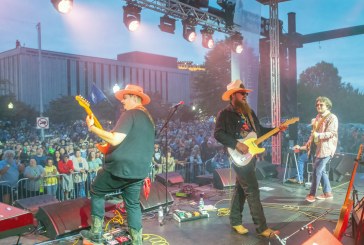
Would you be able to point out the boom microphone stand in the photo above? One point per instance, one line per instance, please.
(307, 226)
(172, 111)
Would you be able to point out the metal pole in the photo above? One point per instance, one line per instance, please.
(40, 76)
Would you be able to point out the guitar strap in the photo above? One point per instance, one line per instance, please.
(142, 108)
(252, 122)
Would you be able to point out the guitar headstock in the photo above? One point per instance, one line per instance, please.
(291, 121)
(82, 101)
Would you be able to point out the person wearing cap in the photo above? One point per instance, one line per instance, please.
(232, 123)
(127, 162)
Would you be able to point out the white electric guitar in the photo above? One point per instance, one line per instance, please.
(252, 142)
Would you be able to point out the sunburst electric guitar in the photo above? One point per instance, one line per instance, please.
(252, 142)
(103, 148)
(342, 223)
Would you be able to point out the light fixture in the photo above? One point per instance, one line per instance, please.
(167, 24)
(10, 106)
(115, 88)
(63, 6)
(131, 17)
(237, 43)
(207, 41)
(189, 31)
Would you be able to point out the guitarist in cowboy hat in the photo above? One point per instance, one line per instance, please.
(126, 164)
(232, 123)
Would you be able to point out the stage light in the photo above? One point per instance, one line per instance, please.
(131, 17)
(207, 41)
(189, 31)
(237, 43)
(63, 6)
(167, 24)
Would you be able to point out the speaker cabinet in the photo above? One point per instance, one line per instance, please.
(224, 178)
(33, 203)
(322, 237)
(265, 169)
(157, 197)
(173, 178)
(341, 165)
(70, 216)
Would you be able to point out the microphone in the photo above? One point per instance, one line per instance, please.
(178, 104)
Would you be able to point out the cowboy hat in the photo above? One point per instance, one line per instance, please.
(234, 87)
(134, 90)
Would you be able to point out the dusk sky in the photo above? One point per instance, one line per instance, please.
(95, 28)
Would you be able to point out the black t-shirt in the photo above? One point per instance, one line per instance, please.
(131, 159)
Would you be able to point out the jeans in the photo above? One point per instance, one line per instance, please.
(80, 189)
(106, 183)
(51, 190)
(246, 188)
(320, 175)
(301, 160)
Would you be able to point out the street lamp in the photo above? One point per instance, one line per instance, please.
(116, 88)
(10, 106)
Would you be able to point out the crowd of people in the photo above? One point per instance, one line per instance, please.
(69, 162)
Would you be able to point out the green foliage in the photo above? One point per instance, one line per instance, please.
(210, 84)
(65, 110)
(19, 112)
(323, 80)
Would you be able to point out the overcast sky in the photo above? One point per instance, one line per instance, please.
(95, 28)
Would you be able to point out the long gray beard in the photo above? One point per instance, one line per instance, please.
(244, 106)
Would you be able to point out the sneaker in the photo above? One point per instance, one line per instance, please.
(269, 233)
(325, 196)
(240, 229)
(310, 198)
(292, 180)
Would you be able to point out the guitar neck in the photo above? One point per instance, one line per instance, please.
(266, 136)
(356, 163)
(96, 121)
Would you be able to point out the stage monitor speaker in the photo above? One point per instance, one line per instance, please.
(224, 178)
(358, 222)
(157, 197)
(322, 237)
(33, 203)
(265, 169)
(344, 166)
(60, 219)
(173, 178)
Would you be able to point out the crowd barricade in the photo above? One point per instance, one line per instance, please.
(7, 192)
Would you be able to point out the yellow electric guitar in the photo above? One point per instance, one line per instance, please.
(252, 142)
(103, 148)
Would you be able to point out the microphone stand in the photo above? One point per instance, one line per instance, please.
(172, 111)
(306, 226)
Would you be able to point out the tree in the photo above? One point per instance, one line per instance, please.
(323, 80)
(19, 112)
(64, 110)
(210, 84)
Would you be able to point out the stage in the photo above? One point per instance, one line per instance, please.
(284, 206)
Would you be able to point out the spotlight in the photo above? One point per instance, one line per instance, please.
(167, 24)
(237, 43)
(189, 32)
(63, 6)
(207, 41)
(131, 17)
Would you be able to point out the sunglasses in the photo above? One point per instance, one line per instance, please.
(243, 93)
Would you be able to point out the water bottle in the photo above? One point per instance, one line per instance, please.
(201, 203)
(160, 215)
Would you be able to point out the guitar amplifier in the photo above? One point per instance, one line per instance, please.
(14, 221)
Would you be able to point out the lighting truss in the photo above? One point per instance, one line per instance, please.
(182, 11)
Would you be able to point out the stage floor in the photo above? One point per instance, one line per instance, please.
(284, 207)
